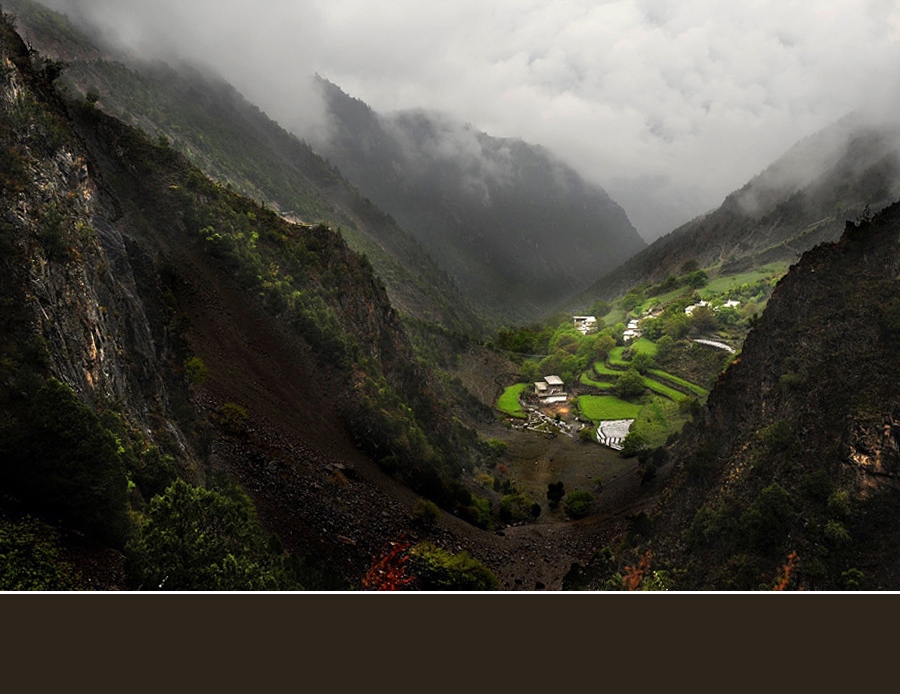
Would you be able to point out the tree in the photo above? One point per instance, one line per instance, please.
(703, 320)
(603, 345)
(632, 299)
(689, 266)
(600, 308)
(697, 279)
(676, 326)
(767, 522)
(641, 362)
(629, 385)
(664, 346)
(632, 444)
(555, 493)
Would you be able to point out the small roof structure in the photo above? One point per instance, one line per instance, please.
(553, 380)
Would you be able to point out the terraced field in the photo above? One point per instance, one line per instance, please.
(601, 407)
(509, 401)
(602, 385)
(656, 380)
(692, 387)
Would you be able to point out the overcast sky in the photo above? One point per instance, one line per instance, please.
(682, 101)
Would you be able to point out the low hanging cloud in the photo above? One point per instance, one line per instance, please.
(669, 105)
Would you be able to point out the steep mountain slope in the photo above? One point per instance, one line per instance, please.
(802, 199)
(157, 325)
(798, 448)
(517, 229)
(210, 122)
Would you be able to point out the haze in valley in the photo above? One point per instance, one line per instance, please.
(668, 105)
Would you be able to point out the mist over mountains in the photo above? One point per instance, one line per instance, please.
(517, 229)
(846, 171)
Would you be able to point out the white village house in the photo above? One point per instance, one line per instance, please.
(585, 324)
(633, 331)
(550, 390)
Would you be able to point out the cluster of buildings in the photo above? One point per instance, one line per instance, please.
(588, 324)
(731, 303)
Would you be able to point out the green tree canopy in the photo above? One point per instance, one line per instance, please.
(199, 539)
(629, 385)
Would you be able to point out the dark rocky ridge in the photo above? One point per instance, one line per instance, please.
(810, 414)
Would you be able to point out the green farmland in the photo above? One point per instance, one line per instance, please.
(509, 401)
(664, 376)
(600, 407)
(603, 385)
(644, 346)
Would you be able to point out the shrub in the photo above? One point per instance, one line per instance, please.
(485, 480)
(839, 504)
(853, 579)
(768, 520)
(836, 534)
(496, 448)
(587, 435)
(233, 418)
(31, 561)
(439, 570)
(195, 371)
(516, 507)
(478, 512)
(578, 503)
(817, 485)
(425, 512)
(153, 472)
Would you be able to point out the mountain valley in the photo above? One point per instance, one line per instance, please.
(233, 359)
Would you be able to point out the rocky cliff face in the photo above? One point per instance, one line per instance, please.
(797, 448)
(71, 264)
